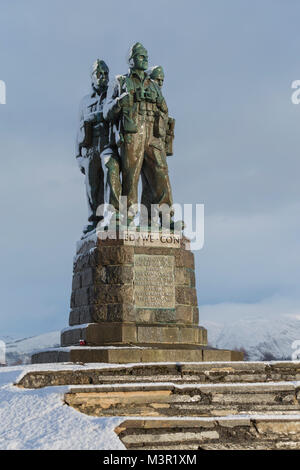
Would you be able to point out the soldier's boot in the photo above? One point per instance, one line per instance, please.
(92, 225)
(130, 221)
(166, 221)
(177, 226)
(89, 227)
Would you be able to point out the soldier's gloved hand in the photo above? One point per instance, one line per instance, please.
(125, 100)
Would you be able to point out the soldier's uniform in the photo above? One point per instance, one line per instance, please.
(91, 139)
(113, 186)
(137, 131)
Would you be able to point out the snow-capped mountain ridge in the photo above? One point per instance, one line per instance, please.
(260, 338)
(18, 351)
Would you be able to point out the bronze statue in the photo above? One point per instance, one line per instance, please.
(157, 74)
(137, 112)
(92, 137)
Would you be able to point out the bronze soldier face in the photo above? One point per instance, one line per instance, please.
(160, 82)
(158, 75)
(100, 76)
(141, 61)
(138, 57)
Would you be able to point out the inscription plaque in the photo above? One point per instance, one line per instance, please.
(153, 239)
(154, 281)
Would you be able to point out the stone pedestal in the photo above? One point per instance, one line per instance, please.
(134, 300)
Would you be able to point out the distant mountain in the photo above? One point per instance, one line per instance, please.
(18, 351)
(261, 338)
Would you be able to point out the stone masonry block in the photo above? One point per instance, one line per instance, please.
(186, 296)
(116, 255)
(184, 259)
(111, 294)
(184, 314)
(121, 313)
(76, 282)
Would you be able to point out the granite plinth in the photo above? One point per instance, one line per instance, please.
(132, 354)
(135, 290)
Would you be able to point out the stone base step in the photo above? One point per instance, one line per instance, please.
(132, 354)
(181, 373)
(118, 333)
(237, 433)
(185, 400)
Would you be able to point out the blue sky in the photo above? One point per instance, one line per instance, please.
(229, 68)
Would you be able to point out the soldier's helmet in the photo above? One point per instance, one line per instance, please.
(98, 65)
(157, 73)
(99, 75)
(136, 49)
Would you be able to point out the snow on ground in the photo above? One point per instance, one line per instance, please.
(38, 419)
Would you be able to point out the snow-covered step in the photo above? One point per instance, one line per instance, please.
(181, 373)
(234, 433)
(168, 399)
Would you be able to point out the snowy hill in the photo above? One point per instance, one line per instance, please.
(261, 338)
(18, 351)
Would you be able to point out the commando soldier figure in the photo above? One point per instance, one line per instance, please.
(92, 137)
(134, 108)
(167, 136)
